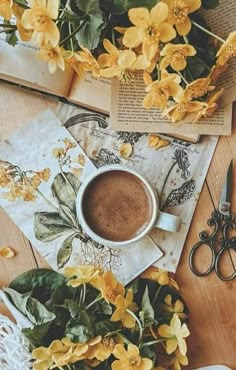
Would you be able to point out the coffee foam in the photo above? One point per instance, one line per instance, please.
(117, 206)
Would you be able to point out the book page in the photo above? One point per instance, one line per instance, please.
(19, 64)
(128, 114)
(222, 21)
(91, 92)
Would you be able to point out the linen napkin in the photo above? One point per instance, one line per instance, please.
(41, 168)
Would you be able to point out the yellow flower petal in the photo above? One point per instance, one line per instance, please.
(133, 37)
(119, 351)
(165, 331)
(182, 346)
(110, 48)
(159, 13)
(41, 353)
(52, 33)
(6, 252)
(167, 32)
(141, 63)
(128, 321)
(171, 345)
(139, 17)
(44, 365)
(110, 72)
(149, 49)
(52, 8)
(133, 350)
(126, 59)
(126, 150)
(118, 314)
(193, 5)
(5, 9)
(153, 141)
(184, 27)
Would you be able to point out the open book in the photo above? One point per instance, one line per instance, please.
(128, 114)
(19, 65)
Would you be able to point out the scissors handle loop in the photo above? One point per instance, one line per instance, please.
(219, 256)
(192, 258)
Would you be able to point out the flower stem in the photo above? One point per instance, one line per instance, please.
(156, 295)
(74, 32)
(202, 62)
(47, 200)
(93, 302)
(208, 32)
(183, 78)
(164, 184)
(71, 41)
(153, 342)
(8, 26)
(139, 324)
(84, 293)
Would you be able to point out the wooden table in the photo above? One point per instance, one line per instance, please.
(212, 303)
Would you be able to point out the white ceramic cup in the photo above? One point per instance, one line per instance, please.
(164, 221)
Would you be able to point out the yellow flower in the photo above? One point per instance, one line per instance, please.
(197, 88)
(122, 305)
(211, 106)
(178, 14)
(109, 287)
(5, 177)
(69, 144)
(227, 50)
(84, 275)
(120, 63)
(5, 9)
(178, 111)
(82, 61)
(101, 350)
(177, 307)
(178, 360)
(80, 159)
(174, 334)
(160, 91)
(130, 359)
(216, 71)
(77, 171)
(150, 28)
(160, 276)
(40, 19)
(7, 252)
(25, 34)
(175, 56)
(52, 55)
(58, 152)
(43, 355)
(45, 174)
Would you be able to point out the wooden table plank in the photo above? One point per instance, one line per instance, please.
(211, 303)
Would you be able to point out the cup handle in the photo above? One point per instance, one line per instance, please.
(168, 222)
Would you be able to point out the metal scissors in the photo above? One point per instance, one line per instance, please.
(223, 222)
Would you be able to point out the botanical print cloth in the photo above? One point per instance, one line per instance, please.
(177, 171)
(41, 168)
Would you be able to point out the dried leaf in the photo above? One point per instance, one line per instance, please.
(153, 141)
(126, 150)
(162, 144)
(6, 252)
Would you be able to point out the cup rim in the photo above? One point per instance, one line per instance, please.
(79, 205)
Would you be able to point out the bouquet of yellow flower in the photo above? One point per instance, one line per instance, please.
(168, 40)
(87, 319)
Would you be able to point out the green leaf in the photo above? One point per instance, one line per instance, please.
(105, 307)
(37, 334)
(89, 35)
(73, 307)
(65, 188)
(137, 3)
(147, 309)
(106, 326)
(30, 307)
(41, 282)
(67, 215)
(114, 6)
(210, 4)
(81, 329)
(11, 38)
(49, 226)
(65, 251)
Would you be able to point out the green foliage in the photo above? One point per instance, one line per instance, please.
(147, 309)
(210, 4)
(12, 38)
(65, 251)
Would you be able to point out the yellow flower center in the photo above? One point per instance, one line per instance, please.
(135, 362)
(183, 107)
(151, 33)
(196, 92)
(39, 20)
(178, 12)
(110, 293)
(108, 343)
(126, 76)
(231, 50)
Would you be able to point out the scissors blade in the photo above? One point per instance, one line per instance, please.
(225, 198)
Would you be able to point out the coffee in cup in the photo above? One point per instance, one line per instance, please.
(117, 205)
